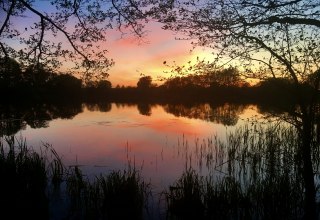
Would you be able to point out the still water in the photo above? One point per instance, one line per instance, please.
(158, 139)
(262, 163)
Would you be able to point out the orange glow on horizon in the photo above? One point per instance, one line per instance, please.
(133, 58)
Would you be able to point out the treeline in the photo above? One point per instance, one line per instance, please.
(199, 89)
(39, 83)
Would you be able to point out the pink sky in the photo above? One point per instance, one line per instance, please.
(133, 58)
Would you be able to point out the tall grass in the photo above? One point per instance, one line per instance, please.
(27, 178)
(185, 198)
(257, 175)
(23, 181)
(118, 195)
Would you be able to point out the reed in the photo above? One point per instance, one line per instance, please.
(118, 195)
(29, 176)
(23, 181)
(257, 175)
(55, 168)
(185, 198)
(254, 174)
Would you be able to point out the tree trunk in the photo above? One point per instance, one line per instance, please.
(308, 175)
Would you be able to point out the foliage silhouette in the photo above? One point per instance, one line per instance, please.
(264, 35)
(144, 82)
(77, 28)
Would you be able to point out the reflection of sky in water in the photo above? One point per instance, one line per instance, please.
(104, 141)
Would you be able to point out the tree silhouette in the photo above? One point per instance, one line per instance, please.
(66, 30)
(205, 76)
(10, 73)
(65, 82)
(37, 75)
(104, 85)
(145, 82)
(280, 36)
(268, 38)
(226, 77)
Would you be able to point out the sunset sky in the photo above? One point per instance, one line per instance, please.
(132, 58)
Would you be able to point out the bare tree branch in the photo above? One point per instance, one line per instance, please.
(280, 58)
(4, 50)
(8, 16)
(131, 22)
(286, 20)
(56, 26)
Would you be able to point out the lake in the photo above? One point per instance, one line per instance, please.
(160, 140)
(104, 137)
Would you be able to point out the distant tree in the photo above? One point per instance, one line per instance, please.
(37, 75)
(205, 78)
(10, 73)
(190, 81)
(279, 83)
(204, 74)
(99, 84)
(174, 82)
(226, 77)
(104, 85)
(65, 82)
(145, 82)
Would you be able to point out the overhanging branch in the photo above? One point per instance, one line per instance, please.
(286, 20)
(56, 26)
(280, 58)
(8, 16)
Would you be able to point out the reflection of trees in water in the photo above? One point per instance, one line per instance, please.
(101, 106)
(144, 109)
(292, 114)
(15, 118)
(226, 114)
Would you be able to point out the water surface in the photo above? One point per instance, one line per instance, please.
(158, 139)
